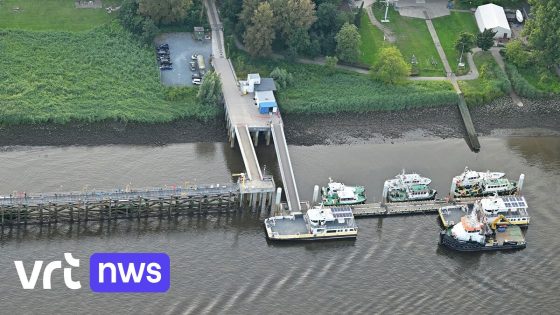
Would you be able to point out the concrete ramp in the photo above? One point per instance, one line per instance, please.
(285, 165)
(248, 152)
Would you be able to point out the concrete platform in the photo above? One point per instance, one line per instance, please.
(416, 8)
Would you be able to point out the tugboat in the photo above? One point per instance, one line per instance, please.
(476, 184)
(338, 194)
(474, 233)
(319, 223)
(513, 208)
(409, 187)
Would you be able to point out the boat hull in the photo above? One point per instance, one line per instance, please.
(450, 242)
(311, 238)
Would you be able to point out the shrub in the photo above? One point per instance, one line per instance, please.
(282, 77)
(521, 86)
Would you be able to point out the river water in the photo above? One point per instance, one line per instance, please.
(225, 265)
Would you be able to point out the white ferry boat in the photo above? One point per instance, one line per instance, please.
(409, 187)
(319, 223)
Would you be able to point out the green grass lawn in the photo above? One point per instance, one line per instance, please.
(491, 84)
(448, 29)
(43, 15)
(88, 76)
(372, 40)
(413, 38)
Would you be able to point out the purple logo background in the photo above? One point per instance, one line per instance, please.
(144, 285)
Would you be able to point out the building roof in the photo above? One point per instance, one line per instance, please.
(490, 16)
(253, 76)
(265, 98)
(267, 84)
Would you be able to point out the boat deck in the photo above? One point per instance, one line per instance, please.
(511, 234)
(289, 226)
(451, 215)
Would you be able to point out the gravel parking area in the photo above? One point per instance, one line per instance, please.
(181, 47)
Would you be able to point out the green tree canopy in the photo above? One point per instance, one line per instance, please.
(518, 54)
(485, 40)
(391, 66)
(293, 15)
(260, 33)
(465, 40)
(543, 30)
(210, 91)
(164, 11)
(348, 43)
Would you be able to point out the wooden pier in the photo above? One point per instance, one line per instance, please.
(76, 207)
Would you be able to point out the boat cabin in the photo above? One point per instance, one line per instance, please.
(514, 208)
(331, 220)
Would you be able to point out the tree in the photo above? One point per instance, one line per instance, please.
(292, 15)
(485, 40)
(391, 66)
(465, 42)
(330, 63)
(299, 42)
(282, 78)
(247, 12)
(210, 91)
(348, 43)
(260, 33)
(149, 31)
(326, 18)
(543, 30)
(164, 11)
(517, 54)
(358, 16)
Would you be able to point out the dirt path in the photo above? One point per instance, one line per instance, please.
(388, 34)
(495, 51)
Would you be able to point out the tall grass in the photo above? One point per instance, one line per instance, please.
(316, 90)
(102, 74)
(491, 84)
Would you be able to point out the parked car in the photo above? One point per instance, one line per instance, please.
(166, 62)
(194, 56)
(197, 81)
(163, 58)
(166, 67)
(193, 65)
(196, 76)
(164, 46)
(163, 54)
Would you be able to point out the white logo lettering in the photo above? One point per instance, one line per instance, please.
(29, 283)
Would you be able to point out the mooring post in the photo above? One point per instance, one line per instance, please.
(71, 213)
(241, 199)
(110, 209)
(267, 137)
(2, 216)
(263, 201)
(278, 199)
(232, 138)
(452, 190)
(86, 216)
(256, 138)
(520, 184)
(315, 194)
(384, 196)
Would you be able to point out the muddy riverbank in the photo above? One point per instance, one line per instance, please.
(500, 117)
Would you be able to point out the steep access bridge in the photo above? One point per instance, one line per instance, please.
(245, 123)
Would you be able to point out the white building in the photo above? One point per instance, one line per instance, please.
(491, 16)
